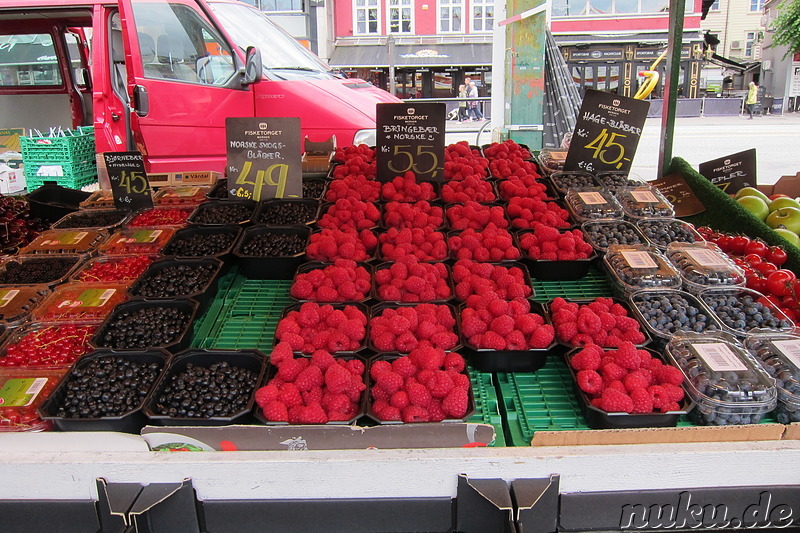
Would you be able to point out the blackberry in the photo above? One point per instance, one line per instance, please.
(218, 213)
(313, 189)
(144, 327)
(98, 218)
(287, 212)
(174, 280)
(193, 243)
(28, 271)
(274, 245)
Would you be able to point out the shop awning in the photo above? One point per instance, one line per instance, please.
(727, 63)
(417, 55)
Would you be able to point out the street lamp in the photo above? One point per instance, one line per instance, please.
(390, 46)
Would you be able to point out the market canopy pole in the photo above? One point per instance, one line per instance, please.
(677, 10)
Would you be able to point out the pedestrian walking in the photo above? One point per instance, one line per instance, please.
(752, 98)
(463, 115)
(474, 106)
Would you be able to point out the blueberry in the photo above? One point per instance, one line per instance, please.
(742, 313)
(174, 280)
(273, 245)
(603, 234)
(145, 327)
(564, 181)
(287, 213)
(670, 313)
(663, 232)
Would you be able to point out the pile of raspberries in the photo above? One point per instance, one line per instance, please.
(348, 213)
(331, 244)
(425, 244)
(420, 214)
(409, 280)
(343, 281)
(492, 244)
(547, 243)
(403, 329)
(603, 322)
(406, 189)
(323, 327)
(472, 215)
(502, 325)
(491, 281)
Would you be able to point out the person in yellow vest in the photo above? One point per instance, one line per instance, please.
(752, 98)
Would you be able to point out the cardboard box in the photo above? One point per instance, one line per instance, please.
(159, 179)
(743, 433)
(199, 177)
(9, 139)
(788, 185)
(317, 157)
(11, 180)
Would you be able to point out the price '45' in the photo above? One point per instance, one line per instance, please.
(607, 150)
(133, 182)
(275, 175)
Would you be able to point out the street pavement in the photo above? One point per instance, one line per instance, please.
(776, 139)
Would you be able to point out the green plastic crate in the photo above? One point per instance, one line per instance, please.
(260, 298)
(69, 148)
(592, 285)
(540, 401)
(487, 405)
(70, 182)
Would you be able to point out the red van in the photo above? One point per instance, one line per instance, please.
(161, 76)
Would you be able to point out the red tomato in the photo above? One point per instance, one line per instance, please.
(789, 312)
(766, 268)
(753, 259)
(757, 284)
(779, 282)
(739, 243)
(777, 255)
(724, 242)
(757, 247)
(789, 301)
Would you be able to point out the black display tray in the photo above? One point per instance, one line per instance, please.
(131, 422)
(185, 233)
(202, 296)
(269, 204)
(252, 360)
(555, 270)
(317, 265)
(52, 202)
(254, 267)
(361, 307)
(222, 205)
(388, 264)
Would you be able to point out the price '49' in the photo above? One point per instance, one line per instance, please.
(607, 150)
(275, 175)
(405, 159)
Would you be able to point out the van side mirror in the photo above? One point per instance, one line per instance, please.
(253, 66)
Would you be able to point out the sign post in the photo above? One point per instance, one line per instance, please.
(410, 137)
(264, 158)
(129, 184)
(607, 133)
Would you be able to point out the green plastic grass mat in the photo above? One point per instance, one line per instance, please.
(724, 214)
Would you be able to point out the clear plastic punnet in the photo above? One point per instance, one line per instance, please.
(573, 180)
(704, 265)
(660, 232)
(742, 311)
(601, 234)
(780, 356)
(644, 202)
(728, 386)
(592, 204)
(614, 179)
(636, 267)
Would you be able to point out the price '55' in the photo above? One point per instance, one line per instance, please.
(275, 175)
(412, 161)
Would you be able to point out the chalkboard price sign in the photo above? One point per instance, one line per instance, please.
(128, 178)
(264, 158)
(607, 133)
(732, 172)
(411, 137)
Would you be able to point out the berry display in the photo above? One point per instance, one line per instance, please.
(66, 241)
(343, 281)
(564, 181)
(181, 195)
(108, 385)
(349, 213)
(603, 322)
(26, 270)
(743, 311)
(78, 301)
(175, 279)
(476, 216)
(487, 280)
(287, 213)
(273, 244)
(461, 162)
(502, 325)
(313, 327)
(420, 214)
(17, 227)
(527, 186)
(312, 390)
(617, 179)
(205, 391)
(726, 386)
(217, 213)
(509, 159)
(777, 355)
(662, 232)
(640, 267)
(348, 154)
(114, 268)
(25, 417)
(48, 345)
(356, 187)
(644, 202)
(18, 301)
(403, 329)
(424, 243)
(592, 204)
(603, 233)
(410, 281)
(405, 188)
(470, 188)
(313, 189)
(427, 385)
(138, 327)
(526, 213)
(96, 218)
(704, 265)
(161, 216)
(669, 312)
(490, 244)
(220, 189)
(193, 243)
(546, 243)
(627, 380)
(331, 244)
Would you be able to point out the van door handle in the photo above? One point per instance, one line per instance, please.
(115, 117)
(141, 101)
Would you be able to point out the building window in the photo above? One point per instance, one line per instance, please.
(280, 6)
(756, 6)
(401, 15)
(450, 16)
(482, 15)
(367, 17)
(749, 42)
(714, 6)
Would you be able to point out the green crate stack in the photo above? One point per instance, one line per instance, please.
(487, 405)
(75, 154)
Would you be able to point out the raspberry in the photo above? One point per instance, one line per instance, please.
(311, 377)
(276, 411)
(281, 352)
(313, 414)
(335, 402)
(400, 400)
(337, 379)
(379, 367)
(669, 374)
(266, 394)
(391, 382)
(613, 372)
(440, 384)
(586, 359)
(404, 367)
(415, 413)
(384, 342)
(389, 414)
(542, 337)
(355, 367)
(588, 322)
(427, 358)
(290, 395)
(674, 392)
(454, 361)
(660, 396)
(566, 331)
(418, 394)
(590, 381)
(636, 380)
(642, 402)
(627, 357)
(614, 401)
(455, 403)
(617, 385)
(289, 370)
(502, 325)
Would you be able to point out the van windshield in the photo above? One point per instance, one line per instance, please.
(283, 57)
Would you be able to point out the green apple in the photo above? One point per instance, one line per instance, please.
(785, 217)
(755, 205)
(751, 191)
(789, 236)
(783, 202)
